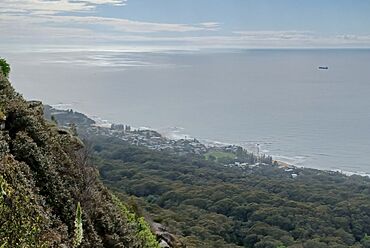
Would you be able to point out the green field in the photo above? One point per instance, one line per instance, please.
(219, 155)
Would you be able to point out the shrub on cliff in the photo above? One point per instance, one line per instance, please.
(5, 67)
(44, 174)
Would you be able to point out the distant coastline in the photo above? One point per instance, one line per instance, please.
(175, 133)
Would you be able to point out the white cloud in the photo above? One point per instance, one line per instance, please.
(276, 35)
(125, 25)
(41, 5)
(51, 22)
(113, 2)
(294, 38)
(55, 6)
(39, 18)
(210, 25)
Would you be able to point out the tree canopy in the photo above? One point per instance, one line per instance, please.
(210, 205)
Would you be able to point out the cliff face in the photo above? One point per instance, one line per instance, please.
(44, 174)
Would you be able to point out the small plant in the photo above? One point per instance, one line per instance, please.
(5, 67)
(78, 233)
(143, 231)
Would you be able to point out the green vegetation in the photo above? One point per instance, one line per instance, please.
(219, 155)
(20, 223)
(5, 67)
(148, 240)
(44, 172)
(210, 205)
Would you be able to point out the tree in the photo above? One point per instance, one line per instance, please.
(212, 158)
(5, 67)
(365, 241)
(239, 152)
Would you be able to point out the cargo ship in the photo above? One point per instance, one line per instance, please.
(323, 68)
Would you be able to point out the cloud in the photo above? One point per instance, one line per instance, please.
(352, 37)
(276, 35)
(294, 38)
(48, 19)
(55, 6)
(210, 25)
(126, 25)
(112, 2)
(49, 6)
(73, 22)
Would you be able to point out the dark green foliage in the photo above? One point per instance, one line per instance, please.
(148, 240)
(210, 205)
(21, 221)
(46, 179)
(5, 67)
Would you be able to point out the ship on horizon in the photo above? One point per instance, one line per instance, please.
(323, 67)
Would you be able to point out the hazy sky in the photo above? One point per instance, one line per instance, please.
(184, 24)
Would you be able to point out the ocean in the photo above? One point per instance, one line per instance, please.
(276, 98)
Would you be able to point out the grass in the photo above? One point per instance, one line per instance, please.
(220, 154)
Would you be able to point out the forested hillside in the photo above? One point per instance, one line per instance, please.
(50, 195)
(210, 205)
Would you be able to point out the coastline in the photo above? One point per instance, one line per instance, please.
(176, 134)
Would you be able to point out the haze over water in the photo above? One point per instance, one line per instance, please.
(277, 98)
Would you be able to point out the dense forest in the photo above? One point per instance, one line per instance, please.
(50, 195)
(210, 205)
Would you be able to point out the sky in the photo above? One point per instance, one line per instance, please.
(184, 24)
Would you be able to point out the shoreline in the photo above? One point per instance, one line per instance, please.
(286, 165)
(174, 133)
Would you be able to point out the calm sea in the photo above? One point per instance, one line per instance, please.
(276, 98)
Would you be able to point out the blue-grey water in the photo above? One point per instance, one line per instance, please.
(277, 98)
